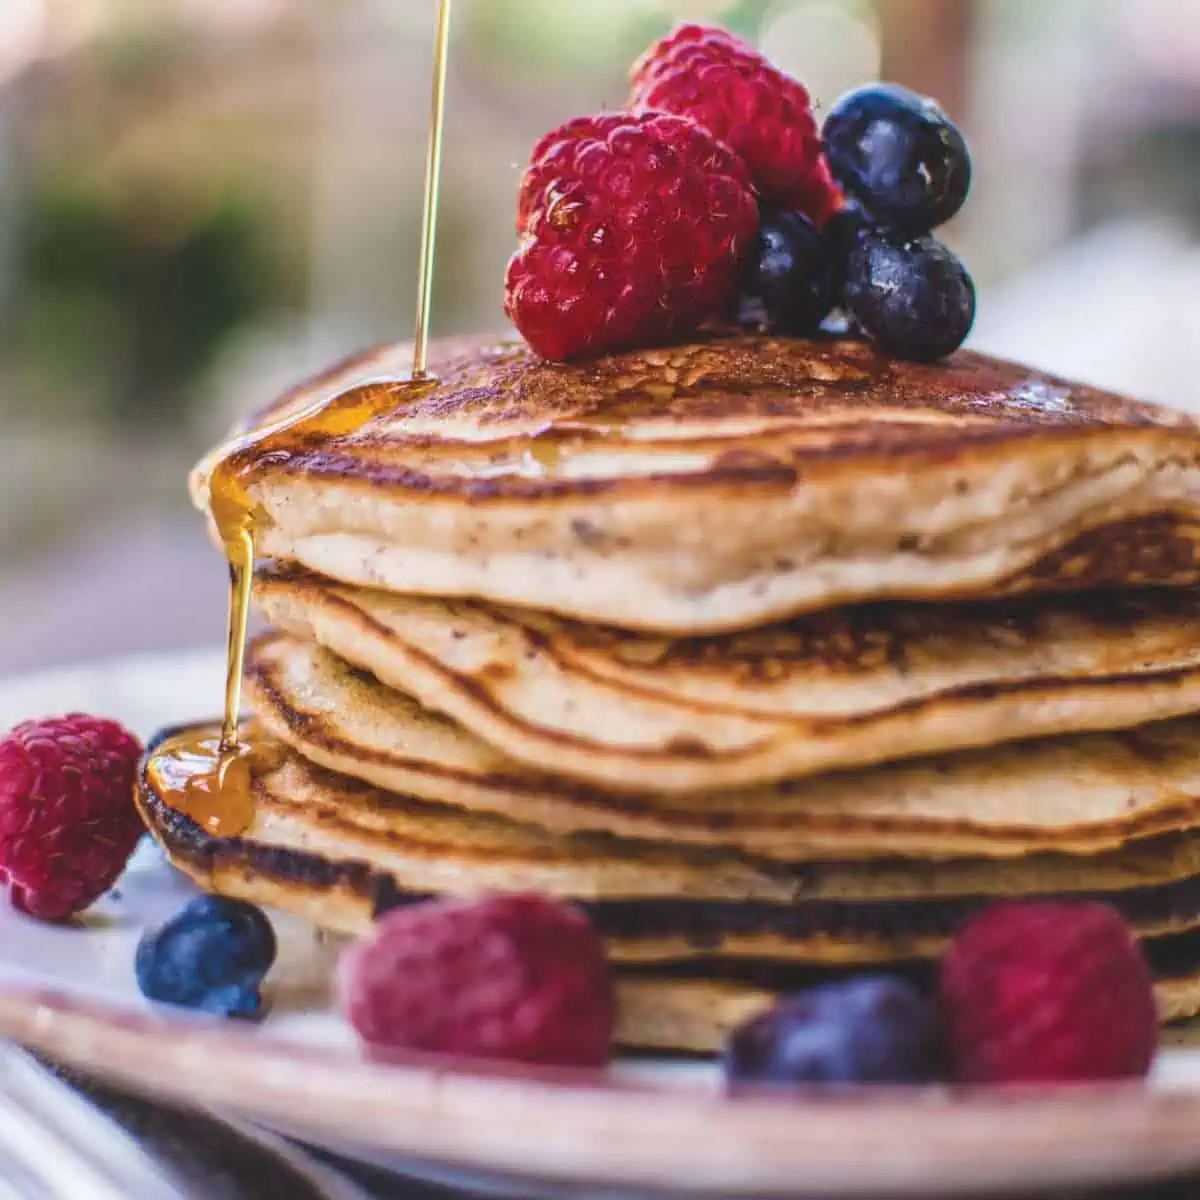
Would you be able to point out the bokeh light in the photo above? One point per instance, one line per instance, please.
(1161, 33)
(831, 46)
(230, 16)
(22, 26)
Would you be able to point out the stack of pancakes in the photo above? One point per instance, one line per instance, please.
(780, 657)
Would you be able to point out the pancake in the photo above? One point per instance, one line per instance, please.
(727, 483)
(339, 852)
(688, 1016)
(846, 688)
(1083, 794)
(693, 1010)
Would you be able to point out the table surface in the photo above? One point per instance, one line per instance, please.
(203, 1152)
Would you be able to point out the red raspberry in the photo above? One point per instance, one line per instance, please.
(724, 84)
(67, 819)
(632, 231)
(554, 153)
(1048, 993)
(515, 978)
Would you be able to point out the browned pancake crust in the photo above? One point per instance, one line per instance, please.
(875, 404)
(742, 820)
(834, 690)
(849, 643)
(651, 930)
(692, 1008)
(1172, 956)
(878, 410)
(737, 479)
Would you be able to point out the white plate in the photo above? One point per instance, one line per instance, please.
(662, 1127)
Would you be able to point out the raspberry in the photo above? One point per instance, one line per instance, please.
(632, 230)
(554, 152)
(1048, 993)
(731, 89)
(515, 978)
(67, 819)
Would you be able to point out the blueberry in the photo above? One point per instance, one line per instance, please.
(212, 955)
(845, 232)
(846, 229)
(899, 156)
(914, 299)
(790, 277)
(869, 1030)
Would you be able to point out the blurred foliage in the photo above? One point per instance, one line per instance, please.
(136, 297)
(564, 35)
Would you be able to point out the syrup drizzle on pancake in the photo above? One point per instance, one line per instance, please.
(210, 780)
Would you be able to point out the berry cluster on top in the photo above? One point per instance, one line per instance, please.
(714, 196)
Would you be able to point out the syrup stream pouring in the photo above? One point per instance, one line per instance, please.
(208, 779)
(433, 188)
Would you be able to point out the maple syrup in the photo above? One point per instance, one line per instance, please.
(208, 778)
(197, 775)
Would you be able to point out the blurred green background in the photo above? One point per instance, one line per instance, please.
(202, 200)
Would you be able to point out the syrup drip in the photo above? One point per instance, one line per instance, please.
(208, 778)
(213, 785)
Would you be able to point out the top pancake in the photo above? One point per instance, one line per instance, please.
(719, 485)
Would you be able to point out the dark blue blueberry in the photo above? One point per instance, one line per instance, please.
(898, 156)
(790, 277)
(870, 1030)
(212, 955)
(913, 298)
(845, 230)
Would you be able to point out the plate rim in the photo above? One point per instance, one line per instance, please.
(593, 1130)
